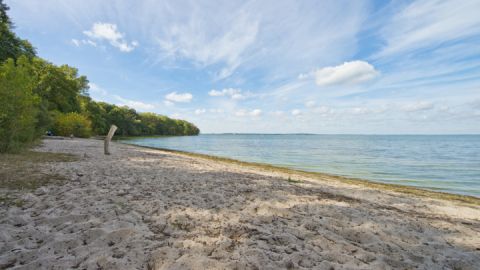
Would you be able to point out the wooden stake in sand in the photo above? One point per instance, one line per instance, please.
(112, 130)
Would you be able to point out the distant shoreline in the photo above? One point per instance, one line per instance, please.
(343, 134)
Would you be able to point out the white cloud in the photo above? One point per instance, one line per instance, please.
(278, 113)
(444, 108)
(94, 88)
(138, 105)
(310, 104)
(418, 106)
(78, 43)
(200, 111)
(174, 97)
(109, 32)
(241, 113)
(89, 42)
(168, 103)
(322, 110)
(216, 110)
(475, 104)
(296, 112)
(360, 110)
(229, 92)
(303, 76)
(254, 113)
(353, 72)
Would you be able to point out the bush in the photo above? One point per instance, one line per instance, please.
(72, 123)
(18, 105)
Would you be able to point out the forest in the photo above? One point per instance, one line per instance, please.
(37, 96)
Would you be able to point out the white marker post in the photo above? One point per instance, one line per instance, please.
(112, 130)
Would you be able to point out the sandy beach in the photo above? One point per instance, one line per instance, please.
(141, 208)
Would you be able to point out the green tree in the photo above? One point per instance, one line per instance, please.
(126, 120)
(60, 86)
(97, 115)
(11, 46)
(73, 124)
(18, 105)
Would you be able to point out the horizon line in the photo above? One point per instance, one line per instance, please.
(357, 134)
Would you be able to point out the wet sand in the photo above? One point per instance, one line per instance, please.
(150, 209)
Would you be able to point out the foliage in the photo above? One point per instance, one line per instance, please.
(60, 86)
(132, 123)
(154, 124)
(125, 119)
(18, 105)
(72, 123)
(96, 113)
(36, 96)
(11, 46)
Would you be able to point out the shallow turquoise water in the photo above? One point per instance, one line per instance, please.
(449, 163)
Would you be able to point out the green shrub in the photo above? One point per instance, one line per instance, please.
(72, 123)
(18, 105)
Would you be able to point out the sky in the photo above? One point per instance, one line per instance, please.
(283, 66)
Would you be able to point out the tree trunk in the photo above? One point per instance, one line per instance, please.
(112, 130)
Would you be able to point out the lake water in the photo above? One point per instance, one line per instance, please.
(449, 163)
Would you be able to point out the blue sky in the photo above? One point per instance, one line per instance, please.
(273, 66)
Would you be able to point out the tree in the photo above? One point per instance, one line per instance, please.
(60, 86)
(126, 120)
(149, 122)
(73, 124)
(11, 46)
(18, 105)
(96, 113)
(4, 19)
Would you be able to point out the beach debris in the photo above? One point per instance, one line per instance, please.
(108, 138)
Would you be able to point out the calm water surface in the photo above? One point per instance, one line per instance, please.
(449, 163)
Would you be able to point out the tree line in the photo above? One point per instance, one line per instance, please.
(37, 96)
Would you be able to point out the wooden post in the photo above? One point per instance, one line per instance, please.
(112, 130)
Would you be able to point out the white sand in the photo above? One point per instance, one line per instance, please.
(149, 209)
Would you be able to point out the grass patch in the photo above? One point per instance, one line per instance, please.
(11, 200)
(328, 177)
(290, 180)
(21, 171)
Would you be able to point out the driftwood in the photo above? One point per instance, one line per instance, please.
(112, 130)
